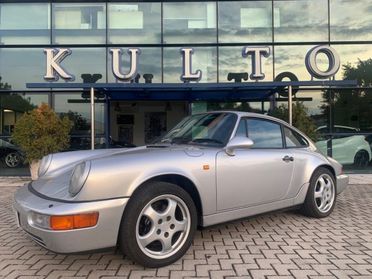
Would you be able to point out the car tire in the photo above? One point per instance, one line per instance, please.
(361, 159)
(158, 224)
(321, 195)
(12, 159)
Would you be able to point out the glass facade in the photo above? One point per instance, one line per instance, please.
(217, 31)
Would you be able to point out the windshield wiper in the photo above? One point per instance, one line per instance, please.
(207, 140)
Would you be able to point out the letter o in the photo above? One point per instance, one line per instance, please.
(292, 77)
(333, 60)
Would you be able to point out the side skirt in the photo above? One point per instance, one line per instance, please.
(235, 214)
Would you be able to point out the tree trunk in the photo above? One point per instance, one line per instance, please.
(34, 167)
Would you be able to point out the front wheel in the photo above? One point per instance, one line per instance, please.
(158, 225)
(321, 195)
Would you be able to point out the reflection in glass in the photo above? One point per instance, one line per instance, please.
(351, 54)
(292, 59)
(316, 105)
(189, 22)
(300, 21)
(21, 65)
(86, 61)
(351, 20)
(204, 59)
(232, 62)
(265, 134)
(13, 106)
(248, 21)
(149, 65)
(134, 23)
(24, 23)
(79, 23)
(78, 111)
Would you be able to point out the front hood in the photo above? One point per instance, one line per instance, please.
(55, 183)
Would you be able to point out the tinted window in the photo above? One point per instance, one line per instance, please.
(294, 139)
(265, 134)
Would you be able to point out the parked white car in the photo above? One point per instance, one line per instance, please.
(347, 149)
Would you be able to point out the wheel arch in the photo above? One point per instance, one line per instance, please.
(182, 182)
(330, 168)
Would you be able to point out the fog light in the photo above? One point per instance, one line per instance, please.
(39, 220)
(71, 222)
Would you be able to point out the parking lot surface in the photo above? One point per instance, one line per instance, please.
(274, 245)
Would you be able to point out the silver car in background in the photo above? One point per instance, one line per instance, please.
(211, 168)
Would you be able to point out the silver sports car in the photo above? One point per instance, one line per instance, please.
(211, 168)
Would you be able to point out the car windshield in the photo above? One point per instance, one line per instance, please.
(202, 129)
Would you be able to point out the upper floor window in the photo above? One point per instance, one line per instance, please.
(245, 21)
(79, 23)
(134, 23)
(26, 23)
(190, 22)
(300, 21)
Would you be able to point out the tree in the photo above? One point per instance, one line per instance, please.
(41, 132)
(300, 117)
(5, 85)
(352, 107)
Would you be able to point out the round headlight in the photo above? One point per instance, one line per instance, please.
(78, 177)
(44, 165)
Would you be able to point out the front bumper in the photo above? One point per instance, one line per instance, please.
(342, 182)
(103, 235)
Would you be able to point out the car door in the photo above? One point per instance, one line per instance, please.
(259, 175)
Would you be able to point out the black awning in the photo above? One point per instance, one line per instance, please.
(246, 91)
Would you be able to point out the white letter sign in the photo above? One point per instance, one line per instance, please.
(333, 59)
(54, 70)
(116, 63)
(187, 74)
(256, 53)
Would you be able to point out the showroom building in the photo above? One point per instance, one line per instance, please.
(217, 32)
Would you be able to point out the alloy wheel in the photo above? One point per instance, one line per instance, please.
(163, 226)
(12, 160)
(324, 194)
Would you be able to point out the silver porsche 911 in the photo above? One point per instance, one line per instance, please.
(211, 168)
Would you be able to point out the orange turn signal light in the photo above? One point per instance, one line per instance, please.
(72, 222)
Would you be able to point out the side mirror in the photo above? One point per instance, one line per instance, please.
(236, 143)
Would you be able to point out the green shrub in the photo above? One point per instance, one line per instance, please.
(41, 132)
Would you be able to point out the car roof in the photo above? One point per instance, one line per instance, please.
(250, 114)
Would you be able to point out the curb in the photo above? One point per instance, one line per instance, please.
(14, 181)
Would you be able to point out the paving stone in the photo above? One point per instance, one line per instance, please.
(277, 245)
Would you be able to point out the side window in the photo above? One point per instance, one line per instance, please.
(264, 133)
(242, 129)
(294, 139)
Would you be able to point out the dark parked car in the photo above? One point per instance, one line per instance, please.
(10, 155)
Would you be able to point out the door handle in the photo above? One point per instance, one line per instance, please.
(288, 158)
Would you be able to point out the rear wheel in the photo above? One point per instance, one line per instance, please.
(321, 195)
(12, 160)
(158, 225)
(361, 159)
